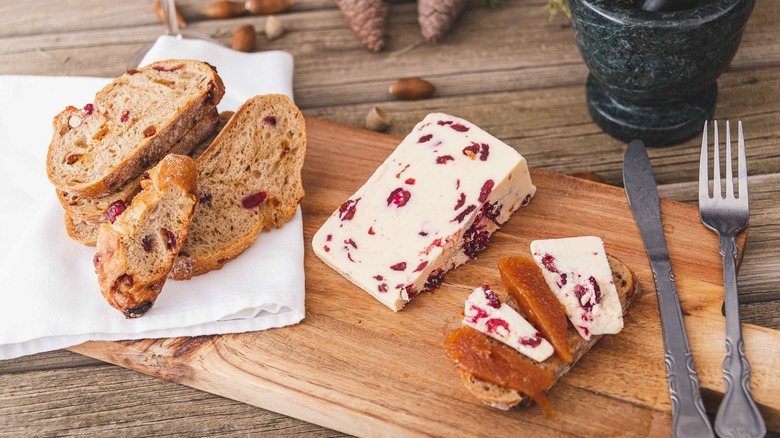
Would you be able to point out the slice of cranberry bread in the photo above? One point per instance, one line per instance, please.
(504, 398)
(96, 210)
(82, 231)
(224, 117)
(249, 179)
(133, 123)
(136, 252)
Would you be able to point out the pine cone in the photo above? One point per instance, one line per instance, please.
(367, 19)
(436, 17)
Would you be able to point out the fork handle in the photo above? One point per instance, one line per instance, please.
(738, 415)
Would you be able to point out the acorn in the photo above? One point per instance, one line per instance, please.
(244, 39)
(377, 120)
(228, 9)
(411, 89)
(274, 28)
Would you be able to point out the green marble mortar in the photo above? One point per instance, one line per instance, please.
(653, 74)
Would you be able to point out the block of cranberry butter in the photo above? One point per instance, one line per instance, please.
(430, 207)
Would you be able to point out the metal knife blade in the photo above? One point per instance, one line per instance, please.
(688, 416)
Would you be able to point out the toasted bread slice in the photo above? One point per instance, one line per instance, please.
(133, 123)
(503, 398)
(136, 252)
(94, 209)
(249, 179)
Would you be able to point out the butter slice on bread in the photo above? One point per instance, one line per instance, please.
(249, 179)
(503, 398)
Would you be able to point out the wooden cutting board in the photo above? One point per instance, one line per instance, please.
(355, 366)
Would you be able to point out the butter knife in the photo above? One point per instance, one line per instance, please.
(688, 416)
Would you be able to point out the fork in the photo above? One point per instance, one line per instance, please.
(737, 415)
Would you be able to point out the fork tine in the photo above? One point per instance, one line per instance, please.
(729, 174)
(742, 165)
(716, 192)
(704, 184)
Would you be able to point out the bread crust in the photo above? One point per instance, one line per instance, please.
(503, 398)
(274, 212)
(94, 209)
(149, 150)
(127, 284)
(82, 231)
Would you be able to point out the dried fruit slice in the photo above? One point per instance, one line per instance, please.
(472, 351)
(525, 282)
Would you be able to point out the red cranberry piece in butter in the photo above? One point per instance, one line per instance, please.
(461, 201)
(484, 192)
(533, 341)
(493, 325)
(399, 197)
(347, 209)
(491, 297)
(477, 314)
(548, 261)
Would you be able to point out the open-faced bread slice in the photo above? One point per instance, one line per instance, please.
(503, 398)
(81, 208)
(135, 253)
(249, 179)
(133, 123)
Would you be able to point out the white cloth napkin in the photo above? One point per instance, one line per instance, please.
(48, 286)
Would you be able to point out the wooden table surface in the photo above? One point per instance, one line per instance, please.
(509, 69)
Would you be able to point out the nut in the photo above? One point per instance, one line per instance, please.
(411, 89)
(158, 9)
(244, 39)
(377, 120)
(266, 7)
(74, 121)
(224, 9)
(274, 28)
(590, 176)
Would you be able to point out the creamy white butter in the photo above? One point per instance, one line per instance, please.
(428, 208)
(577, 271)
(485, 312)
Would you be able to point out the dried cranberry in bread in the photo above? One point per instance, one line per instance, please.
(136, 252)
(133, 122)
(249, 179)
(503, 398)
(94, 209)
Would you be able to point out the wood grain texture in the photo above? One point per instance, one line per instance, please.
(386, 371)
(508, 69)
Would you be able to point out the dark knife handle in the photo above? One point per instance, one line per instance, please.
(689, 417)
